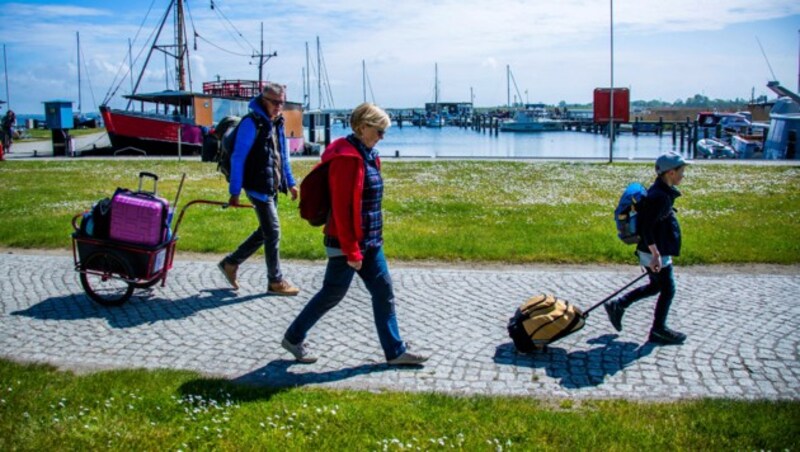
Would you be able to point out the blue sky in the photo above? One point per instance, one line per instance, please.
(556, 50)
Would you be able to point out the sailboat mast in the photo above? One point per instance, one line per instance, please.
(130, 61)
(319, 76)
(508, 85)
(5, 67)
(308, 79)
(180, 50)
(150, 53)
(364, 78)
(78, 36)
(436, 86)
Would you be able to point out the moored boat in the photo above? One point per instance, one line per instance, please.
(784, 126)
(747, 146)
(174, 122)
(711, 148)
(531, 121)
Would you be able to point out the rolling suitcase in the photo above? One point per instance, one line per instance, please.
(139, 217)
(544, 319)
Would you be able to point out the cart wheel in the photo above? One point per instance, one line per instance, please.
(146, 285)
(103, 283)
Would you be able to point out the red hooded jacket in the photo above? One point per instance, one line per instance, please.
(346, 183)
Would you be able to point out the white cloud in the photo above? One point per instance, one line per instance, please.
(53, 10)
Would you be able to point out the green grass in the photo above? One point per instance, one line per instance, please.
(516, 212)
(44, 409)
(45, 134)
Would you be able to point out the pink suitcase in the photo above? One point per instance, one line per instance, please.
(139, 217)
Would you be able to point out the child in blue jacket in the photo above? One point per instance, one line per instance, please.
(661, 241)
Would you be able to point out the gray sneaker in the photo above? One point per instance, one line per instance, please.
(408, 359)
(299, 352)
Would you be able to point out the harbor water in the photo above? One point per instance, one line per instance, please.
(454, 142)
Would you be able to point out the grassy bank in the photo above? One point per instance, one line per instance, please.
(46, 135)
(447, 210)
(42, 409)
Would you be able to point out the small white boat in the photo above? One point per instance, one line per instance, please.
(712, 148)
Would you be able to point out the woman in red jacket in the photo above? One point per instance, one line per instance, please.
(354, 238)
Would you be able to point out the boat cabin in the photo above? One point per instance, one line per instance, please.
(183, 106)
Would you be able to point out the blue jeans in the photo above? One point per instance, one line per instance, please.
(661, 283)
(338, 276)
(267, 234)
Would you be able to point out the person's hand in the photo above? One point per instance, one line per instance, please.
(234, 200)
(294, 192)
(655, 263)
(355, 264)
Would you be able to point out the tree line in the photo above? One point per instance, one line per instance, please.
(696, 101)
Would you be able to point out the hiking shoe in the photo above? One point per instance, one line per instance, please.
(283, 288)
(615, 312)
(299, 352)
(229, 271)
(666, 336)
(407, 359)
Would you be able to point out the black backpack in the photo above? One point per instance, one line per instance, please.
(97, 222)
(226, 130)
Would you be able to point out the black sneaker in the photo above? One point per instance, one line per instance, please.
(615, 312)
(666, 336)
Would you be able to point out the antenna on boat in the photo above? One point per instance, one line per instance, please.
(766, 59)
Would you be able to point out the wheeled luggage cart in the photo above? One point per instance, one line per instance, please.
(110, 270)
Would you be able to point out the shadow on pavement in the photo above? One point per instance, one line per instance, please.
(578, 369)
(263, 383)
(143, 308)
(277, 374)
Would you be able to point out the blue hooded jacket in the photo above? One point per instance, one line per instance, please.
(245, 139)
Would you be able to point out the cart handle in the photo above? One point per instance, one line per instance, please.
(223, 205)
(75, 220)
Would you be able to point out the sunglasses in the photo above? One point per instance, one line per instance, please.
(277, 103)
(381, 132)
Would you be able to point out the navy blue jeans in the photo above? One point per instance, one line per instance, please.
(338, 276)
(268, 234)
(661, 283)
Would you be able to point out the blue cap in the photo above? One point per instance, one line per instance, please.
(668, 161)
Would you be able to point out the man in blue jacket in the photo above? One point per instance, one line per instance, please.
(661, 240)
(260, 166)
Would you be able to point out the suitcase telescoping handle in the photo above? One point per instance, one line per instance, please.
(144, 174)
(597, 305)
